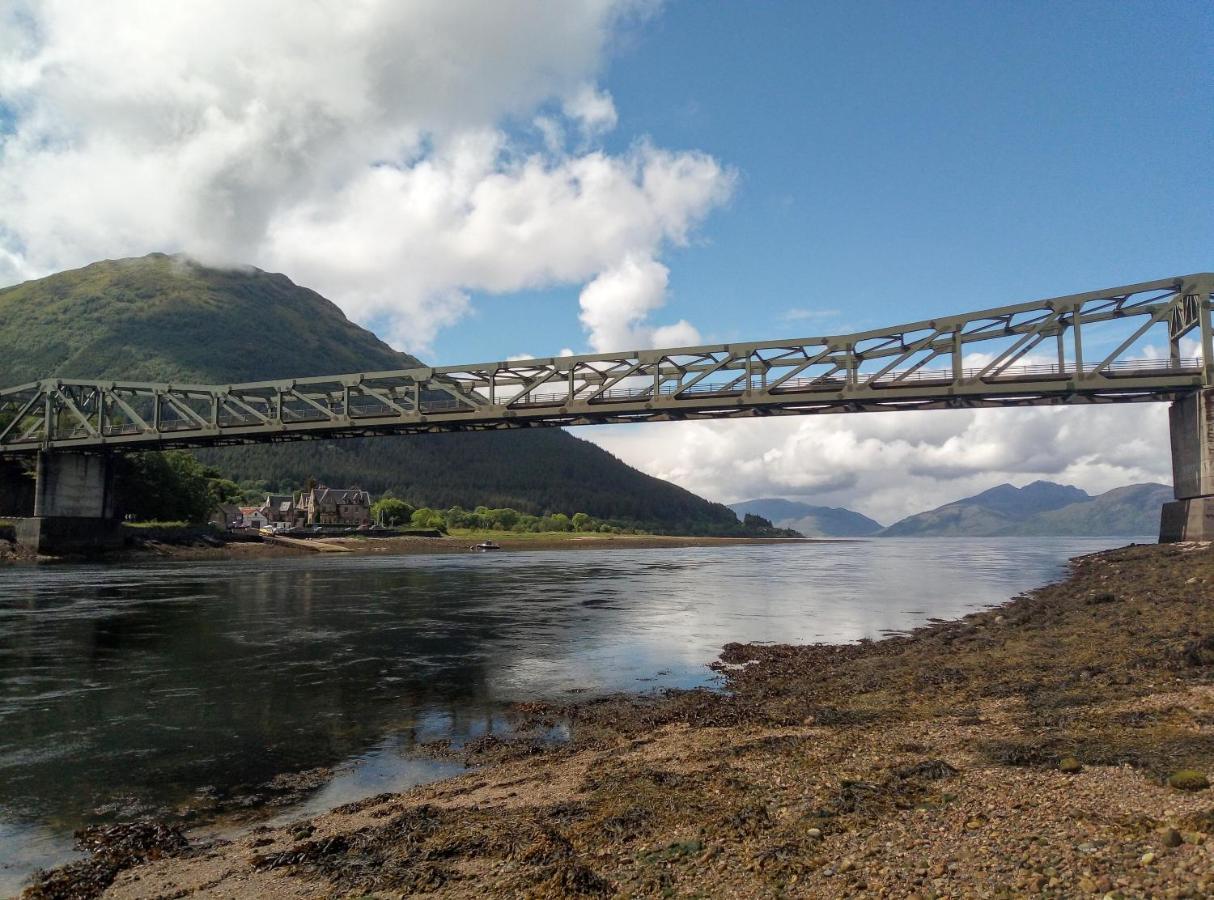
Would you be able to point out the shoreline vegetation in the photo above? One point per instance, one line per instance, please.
(158, 487)
(170, 504)
(145, 543)
(1057, 745)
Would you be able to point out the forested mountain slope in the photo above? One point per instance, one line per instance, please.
(166, 318)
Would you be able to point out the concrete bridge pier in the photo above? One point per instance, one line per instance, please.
(1190, 517)
(73, 505)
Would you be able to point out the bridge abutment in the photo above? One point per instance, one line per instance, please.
(1190, 517)
(73, 505)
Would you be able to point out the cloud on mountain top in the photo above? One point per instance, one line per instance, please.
(394, 156)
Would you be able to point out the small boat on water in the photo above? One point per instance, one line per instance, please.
(485, 547)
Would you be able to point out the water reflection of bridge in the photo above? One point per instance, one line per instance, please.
(1121, 345)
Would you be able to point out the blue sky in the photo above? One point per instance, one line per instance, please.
(903, 160)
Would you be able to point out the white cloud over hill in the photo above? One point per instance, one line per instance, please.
(392, 155)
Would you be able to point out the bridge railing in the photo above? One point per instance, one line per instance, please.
(894, 380)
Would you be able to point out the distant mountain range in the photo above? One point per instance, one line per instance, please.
(1042, 508)
(811, 521)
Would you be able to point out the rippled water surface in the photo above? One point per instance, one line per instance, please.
(126, 689)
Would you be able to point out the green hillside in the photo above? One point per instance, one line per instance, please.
(166, 318)
(162, 317)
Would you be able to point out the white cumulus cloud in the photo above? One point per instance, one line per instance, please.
(592, 109)
(371, 150)
(617, 304)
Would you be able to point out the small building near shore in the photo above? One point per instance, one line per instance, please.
(281, 508)
(227, 516)
(335, 506)
(252, 517)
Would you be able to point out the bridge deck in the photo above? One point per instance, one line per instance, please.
(1028, 354)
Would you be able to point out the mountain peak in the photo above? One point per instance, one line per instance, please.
(168, 317)
(1020, 503)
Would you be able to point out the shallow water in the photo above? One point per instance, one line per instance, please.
(124, 690)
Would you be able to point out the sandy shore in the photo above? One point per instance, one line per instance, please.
(1022, 751)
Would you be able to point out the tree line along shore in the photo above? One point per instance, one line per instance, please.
(175, 488)
(1058, 745)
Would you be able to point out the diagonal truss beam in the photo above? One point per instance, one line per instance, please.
(1140, 334)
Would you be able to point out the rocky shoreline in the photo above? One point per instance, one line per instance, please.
(1056, 746)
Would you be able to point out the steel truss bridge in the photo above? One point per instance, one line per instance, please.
(1121, 345)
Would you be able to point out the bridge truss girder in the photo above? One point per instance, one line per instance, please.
(1065, 350)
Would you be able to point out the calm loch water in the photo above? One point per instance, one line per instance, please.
(126, 690)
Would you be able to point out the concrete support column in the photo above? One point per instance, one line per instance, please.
(73, 505)
(1190, 517)
(75, 485)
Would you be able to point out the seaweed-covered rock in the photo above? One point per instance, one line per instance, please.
(1188, 780)
(112, 849)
